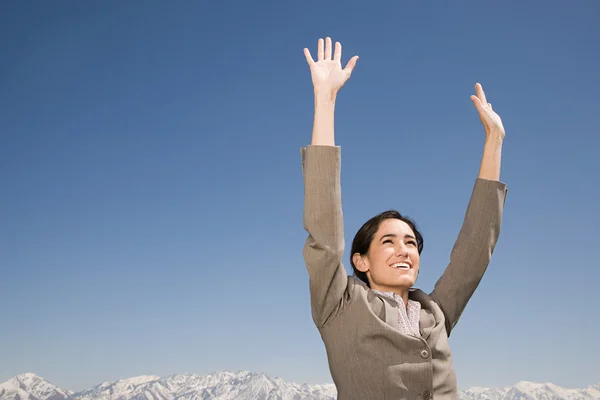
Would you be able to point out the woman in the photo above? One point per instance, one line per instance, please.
(384, 339)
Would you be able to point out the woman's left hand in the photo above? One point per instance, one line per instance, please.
(490, 120)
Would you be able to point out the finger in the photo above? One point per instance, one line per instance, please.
(490, 106)
(309, 58)
(320, 50)
(477, 103)
(480, 93)
(338, 52)
(328, 48)
(351, 64)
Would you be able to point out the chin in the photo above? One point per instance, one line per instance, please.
(403, 284)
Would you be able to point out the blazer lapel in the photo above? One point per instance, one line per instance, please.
(426, 317)
(384, 308)
(426, 323)
(391, 313)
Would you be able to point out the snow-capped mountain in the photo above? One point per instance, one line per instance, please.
(219, 386)
(246, 385)
(531, 391)
(31, 387)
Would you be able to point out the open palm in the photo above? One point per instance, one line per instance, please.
(490, 119)
(327, 73)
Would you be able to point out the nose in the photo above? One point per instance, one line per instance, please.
(402, 250)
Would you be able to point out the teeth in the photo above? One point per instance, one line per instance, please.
(401, 265)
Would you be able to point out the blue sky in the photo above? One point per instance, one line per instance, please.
(152, 193)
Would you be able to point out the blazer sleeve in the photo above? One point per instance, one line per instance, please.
(323, 221)
(472, 250)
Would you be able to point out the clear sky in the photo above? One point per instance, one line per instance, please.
(151, 203)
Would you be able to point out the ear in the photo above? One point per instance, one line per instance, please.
(360, 263)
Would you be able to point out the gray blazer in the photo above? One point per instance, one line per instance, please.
(369, 358)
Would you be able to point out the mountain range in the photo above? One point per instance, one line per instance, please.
(244, 385)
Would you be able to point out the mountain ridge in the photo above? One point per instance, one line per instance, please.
(247, 385)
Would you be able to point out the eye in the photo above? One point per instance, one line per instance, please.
(412, 242)
(387, 241)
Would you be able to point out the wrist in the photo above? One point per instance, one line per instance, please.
(495, 138)
(325, 96)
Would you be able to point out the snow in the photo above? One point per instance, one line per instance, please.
(224, 385)
(142, 379)
(245, 385)
(10, 390)
(477, 390)
(31, 387)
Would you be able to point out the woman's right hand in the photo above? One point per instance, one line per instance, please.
(327, 74)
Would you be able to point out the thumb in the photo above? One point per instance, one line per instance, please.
(351, 64)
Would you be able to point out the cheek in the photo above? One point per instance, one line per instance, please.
(415, 257)
(378, 260)
(385, 254)
(377, 254)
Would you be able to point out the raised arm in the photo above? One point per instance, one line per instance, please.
(323, 220)
(479, 233)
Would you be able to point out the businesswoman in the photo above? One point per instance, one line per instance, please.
(384, 338)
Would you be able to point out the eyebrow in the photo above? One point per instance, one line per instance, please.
(393, 235)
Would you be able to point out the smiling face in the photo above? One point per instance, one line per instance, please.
(392, 262)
